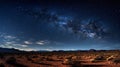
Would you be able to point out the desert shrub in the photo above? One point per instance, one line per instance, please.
(35, 56)
(69, 57)
(2, 56)
(116, 60)
(60, 57)
(98, 58)
(74, 58)
(41, 59)
(76, 64)
(29, 59)
(78, 57)
(13, 61)
(73, 63)
(20, 56)
(2, 65)
(110, 58)
(49, 59)
(66, 61)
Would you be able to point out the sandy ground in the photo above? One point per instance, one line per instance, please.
(60, 59)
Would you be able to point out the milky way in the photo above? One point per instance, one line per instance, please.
(91, 29)
(59, 25)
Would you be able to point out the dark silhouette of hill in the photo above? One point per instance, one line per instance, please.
(9, 50)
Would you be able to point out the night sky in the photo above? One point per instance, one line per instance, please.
(60, 24)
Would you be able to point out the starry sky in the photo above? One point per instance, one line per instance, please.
(60, 24)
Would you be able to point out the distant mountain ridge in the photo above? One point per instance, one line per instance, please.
(8, 50)
(13, 50)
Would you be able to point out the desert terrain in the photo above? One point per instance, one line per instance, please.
(91, 58)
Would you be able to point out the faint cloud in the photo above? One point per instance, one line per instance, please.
(6, 46)
(12, 42)
(42, 42)
(23, 45)
(9, 37)
(27, 42)
(26, 49)
(49, 49)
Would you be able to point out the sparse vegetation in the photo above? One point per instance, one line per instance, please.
(116, 60)
(97, 59)
(76, 64)
(110, 58)
(13, 61)
(67, 61)
(1, 56)
(2, 65)
(60, 59)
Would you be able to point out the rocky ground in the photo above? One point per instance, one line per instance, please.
(61, 59)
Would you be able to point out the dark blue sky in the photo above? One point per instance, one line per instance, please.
(59, 24)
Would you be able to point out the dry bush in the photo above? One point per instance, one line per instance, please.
(69, 57)
(97, 59)
(30, 59)
(74, 58)
(2, 56)
(67, 61)
(113, 59)
(74, 63)
(2, 65)
(110, 58)
(49, 59)
(116, 60)
(35, 56)
(13, 61)
(41, 59)
(60, 57)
